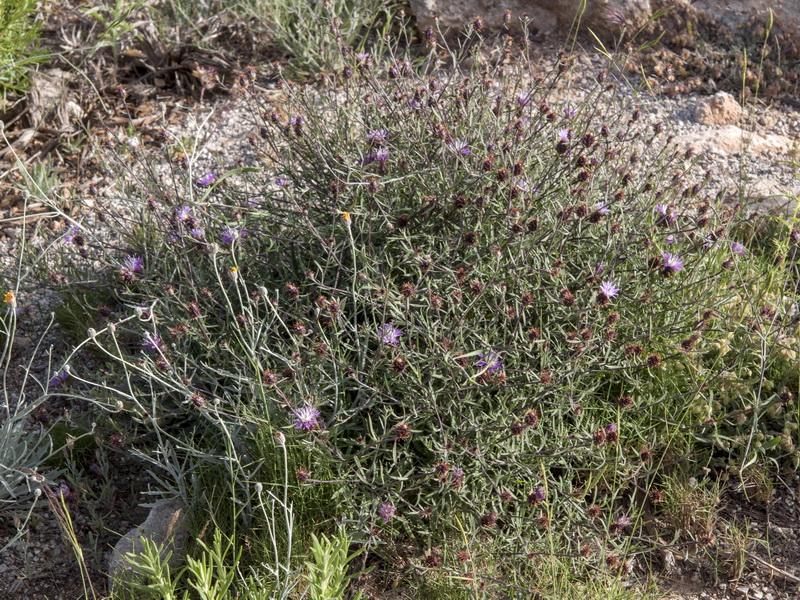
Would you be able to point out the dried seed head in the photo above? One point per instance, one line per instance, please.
(402, 431)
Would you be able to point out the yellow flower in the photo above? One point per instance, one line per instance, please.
(233, 270)
(9, 297)
(346, 217)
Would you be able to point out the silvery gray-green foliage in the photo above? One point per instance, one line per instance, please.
(467, 306)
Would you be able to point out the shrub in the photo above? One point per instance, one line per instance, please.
(481, 312)
(302, 30)
(19, 32)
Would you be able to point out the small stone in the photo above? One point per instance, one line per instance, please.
(22, 342)
(167, 526)
(719, 109)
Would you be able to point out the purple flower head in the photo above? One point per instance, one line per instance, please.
(151, 341)
(414, 103)
(362, 56)
(671, 263)
(183, 213)
(389, 334)
(207, 179)
(230, 235)
(490, 361)
(670, 239)
(387, 511)
(70, 235)
(282, 180)
(564, 135)
(58, 378)
(382, 155)
(610, 428)
(524, 99)
(569, 112)
(65, 492)
(378, 136)
(538, 495)
(458, 147)
(708, 241)
(738, 249)
(197, 233)
(525, 186)
(296, 120)
(457, 477)
(305, 418)
(622, 521)
(603, 208)
(608, 289)
(662, 208)
(133, 264)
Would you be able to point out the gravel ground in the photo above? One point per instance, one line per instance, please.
(41, 565)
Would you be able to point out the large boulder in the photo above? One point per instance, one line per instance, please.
(546, 16)
(735, 13)
(605, 17)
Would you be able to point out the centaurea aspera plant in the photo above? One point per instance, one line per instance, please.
(496, 248)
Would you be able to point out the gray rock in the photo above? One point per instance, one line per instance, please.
(546, 16)
(167, 526)
(605, 17)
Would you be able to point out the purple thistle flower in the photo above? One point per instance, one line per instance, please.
(603, 208)
(230, 235)
(65, 492)
(608, 289)
(382, 155)
(738, 249)
(610, 428)
(296, 120)
(670, 239)
(282, 181)
(378, 136)
(672, 263)
(387, 511)
(538, 495)
(569, 113)
(490, 361)
(207, 179)
(389, 334)
(70, 235)
(662, 208)
(58, 378)
(132, 264)
(152, 342)
(564, 135)
(621, 522)
(457, 477)
(458, 147)
(197, 233)
(524, 99)
(305, 418)
(183, 213)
